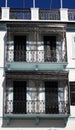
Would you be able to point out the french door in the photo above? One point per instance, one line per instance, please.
(51, 97)
(50, 48)
(19, 48)
(19, 97)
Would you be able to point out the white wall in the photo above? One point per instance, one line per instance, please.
(2, 42)
(2, 79)
(71, 66)
(71, 60)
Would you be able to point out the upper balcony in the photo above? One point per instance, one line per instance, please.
(37, 14)
(36, 46)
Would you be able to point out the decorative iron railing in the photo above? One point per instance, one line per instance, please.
(44, 14)
(71, 14)
(49, 14)
(36, 107)
(20, 14)
(36, 56)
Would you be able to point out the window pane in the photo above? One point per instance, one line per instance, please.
(72, 92)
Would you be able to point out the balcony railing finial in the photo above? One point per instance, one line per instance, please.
(6, 3)
(33, 3)
(61, 4)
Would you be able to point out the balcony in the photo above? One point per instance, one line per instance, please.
(42, 51)
(36, 95)
(26, 14)
(43, 14)
(35, 59)
(23, 101)
(20, 14)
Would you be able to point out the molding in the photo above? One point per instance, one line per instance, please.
(44, 75)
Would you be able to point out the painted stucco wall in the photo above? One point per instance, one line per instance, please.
(71, 60)
(2, 78)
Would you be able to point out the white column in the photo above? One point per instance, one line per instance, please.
(35, 14)
(63, 14)
(5, 13)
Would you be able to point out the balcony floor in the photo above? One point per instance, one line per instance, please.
(35, 66)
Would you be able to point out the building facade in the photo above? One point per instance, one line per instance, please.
(37, 67)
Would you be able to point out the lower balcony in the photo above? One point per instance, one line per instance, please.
(29, 96)
(36, 111)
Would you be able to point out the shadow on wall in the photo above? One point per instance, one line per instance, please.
(10, 122)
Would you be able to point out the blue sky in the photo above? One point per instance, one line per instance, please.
(55, 4)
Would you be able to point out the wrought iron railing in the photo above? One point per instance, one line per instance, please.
(71, 14)
(20, 13)
(45, 14)
(36, 107)
(36, 56)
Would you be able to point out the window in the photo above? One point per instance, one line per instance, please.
(35, 97)
(72, 92)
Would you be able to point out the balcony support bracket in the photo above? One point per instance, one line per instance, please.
(37, 120)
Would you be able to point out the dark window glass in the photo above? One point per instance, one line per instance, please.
(72, 92)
